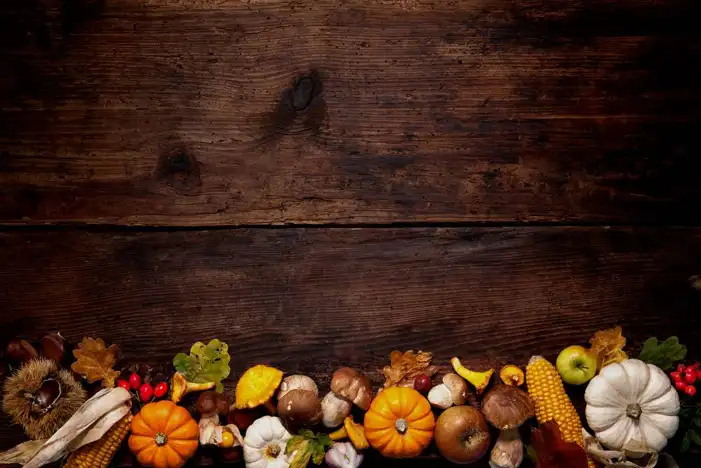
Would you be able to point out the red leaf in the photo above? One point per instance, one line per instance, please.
(552, 451)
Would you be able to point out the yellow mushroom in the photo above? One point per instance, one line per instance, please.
(257, 386)
(512, 375)
(353, 431)
(181, 387)
(479, 380)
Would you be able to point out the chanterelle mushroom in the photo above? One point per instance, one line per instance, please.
(507, 408)
(353, 386)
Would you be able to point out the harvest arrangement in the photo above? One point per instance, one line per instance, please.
(634, 407)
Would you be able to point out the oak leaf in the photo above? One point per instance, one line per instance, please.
(405, 367)
(94, 361)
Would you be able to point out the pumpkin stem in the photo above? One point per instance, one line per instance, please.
(634, 411)
(161, 439)
(401, 425)
(273, 451)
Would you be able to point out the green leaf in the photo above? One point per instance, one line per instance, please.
(664, 354)
(306, 433)
(319, 455)
(301, 458)
(205, 363)
(295, 443)
(530, 453)
(685, 443)
(324, 440)
(695, 437)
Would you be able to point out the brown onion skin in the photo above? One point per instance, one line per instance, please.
(452, 428)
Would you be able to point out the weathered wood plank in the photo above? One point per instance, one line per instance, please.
(310, 300)
(180, 112)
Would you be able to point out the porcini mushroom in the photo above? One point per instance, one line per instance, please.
(334, 410)
(299, 408)
(451, 392)
(297, 382)
(257, 386)
(507, 408)
(353, 386)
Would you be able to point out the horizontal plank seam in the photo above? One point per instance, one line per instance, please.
(391, 225)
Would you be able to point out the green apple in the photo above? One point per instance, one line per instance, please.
(576, 365)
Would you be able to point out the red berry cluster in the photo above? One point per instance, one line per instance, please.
(146, 391)
(685, 377)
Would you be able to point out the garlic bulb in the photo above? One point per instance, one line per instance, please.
(334, 410)
(343, 455)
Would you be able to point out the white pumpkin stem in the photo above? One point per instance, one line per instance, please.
(634, 411)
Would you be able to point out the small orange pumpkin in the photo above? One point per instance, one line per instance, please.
(399, 423)
(163, 435)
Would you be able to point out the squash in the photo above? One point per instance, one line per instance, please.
(265, 443)
(399, 423)
(163, 435)
(632, 405)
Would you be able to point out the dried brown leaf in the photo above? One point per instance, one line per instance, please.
(405, 367)
(608, 346)
(94, 361)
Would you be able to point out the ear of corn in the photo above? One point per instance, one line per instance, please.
(551, 401)
(99, 454)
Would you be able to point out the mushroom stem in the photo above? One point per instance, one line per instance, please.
(508, 450)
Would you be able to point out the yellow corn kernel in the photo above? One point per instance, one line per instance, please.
(551, 401)
(99, 454)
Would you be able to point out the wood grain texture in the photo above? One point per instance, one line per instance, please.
(211, 112)
(311, 300)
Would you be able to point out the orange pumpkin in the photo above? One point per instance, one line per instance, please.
(163, 435)
(399, 423)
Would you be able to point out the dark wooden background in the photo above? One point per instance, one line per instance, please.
(319, 182)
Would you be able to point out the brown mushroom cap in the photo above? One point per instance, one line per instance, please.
(300, 408)
(507, 407)
(457, 387)
(353, 386)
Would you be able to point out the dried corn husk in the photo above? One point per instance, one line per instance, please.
(211, 431)
(95, 417)
(622, 458)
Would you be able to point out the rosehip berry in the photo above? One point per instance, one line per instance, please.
(422, 384)
(689, 377)
(681, 368)
(124, 384)
(135, 381)
(146, 392)
(160, 390)
(695, 366)
(690, 390)
(676, 375)
(679, 385)
(698, 375)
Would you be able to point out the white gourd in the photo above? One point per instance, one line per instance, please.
(632, 405)
(265, 443)
(343, 455)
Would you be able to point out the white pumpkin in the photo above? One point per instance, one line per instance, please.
(632, 405)
(343, 455)
(265, 443)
